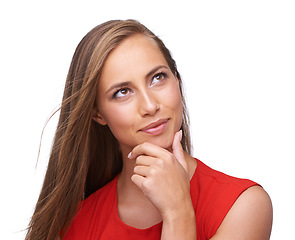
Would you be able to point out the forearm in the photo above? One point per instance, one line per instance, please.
(181, 226)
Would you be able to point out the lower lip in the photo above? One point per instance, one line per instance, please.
(156, 130)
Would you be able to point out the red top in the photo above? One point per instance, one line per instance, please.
(213, 193)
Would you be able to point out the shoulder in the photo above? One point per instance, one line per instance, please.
(212, 176)
(93, 210)
(229, 207)
(216, 187)
(214, 194)
(249, 218)
(98, 198)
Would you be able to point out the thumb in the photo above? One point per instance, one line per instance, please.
(178, 151)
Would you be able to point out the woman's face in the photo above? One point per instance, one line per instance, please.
(138, 96)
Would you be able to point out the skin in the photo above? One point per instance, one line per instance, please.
(137, 88)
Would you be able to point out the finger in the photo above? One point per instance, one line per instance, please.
(143, 171)
(142, 183)
(144, 160)
(138, 180)
(148, 149)
(177, 149)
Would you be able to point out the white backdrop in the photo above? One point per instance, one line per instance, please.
(237, 60)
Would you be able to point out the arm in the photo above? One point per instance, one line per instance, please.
(250, 218)
(180, 226)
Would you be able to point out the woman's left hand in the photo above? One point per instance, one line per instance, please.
(163, 177)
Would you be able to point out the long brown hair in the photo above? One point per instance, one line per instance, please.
(85, 155)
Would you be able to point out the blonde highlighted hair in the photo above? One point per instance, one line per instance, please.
(85, 155)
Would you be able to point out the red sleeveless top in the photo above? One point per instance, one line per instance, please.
(213, 193)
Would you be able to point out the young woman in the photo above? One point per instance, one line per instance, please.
(120, 166)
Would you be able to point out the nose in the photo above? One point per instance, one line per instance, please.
(148, 104)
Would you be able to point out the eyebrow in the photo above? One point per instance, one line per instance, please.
(155, 69)
(126, 83)
(119, 85)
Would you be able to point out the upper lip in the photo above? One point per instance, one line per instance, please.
(154, 124)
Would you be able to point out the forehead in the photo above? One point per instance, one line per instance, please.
(135, 45)
(136, 55)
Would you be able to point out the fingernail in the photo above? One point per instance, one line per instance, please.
(129, 155)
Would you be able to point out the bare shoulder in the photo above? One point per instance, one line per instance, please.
(249, 218)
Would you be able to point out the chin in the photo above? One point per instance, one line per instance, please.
(161, 141)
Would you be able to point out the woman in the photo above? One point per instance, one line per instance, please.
(120, 166)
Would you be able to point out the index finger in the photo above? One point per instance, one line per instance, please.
(147, 149)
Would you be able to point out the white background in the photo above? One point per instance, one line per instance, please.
(236, 58)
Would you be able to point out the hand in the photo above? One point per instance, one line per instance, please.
(163, 176)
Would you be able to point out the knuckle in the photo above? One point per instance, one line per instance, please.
(161, 163)
(152, 172)
(145, 185)
(136, 168)
(134, 179)
(139, 159)
(144, 145)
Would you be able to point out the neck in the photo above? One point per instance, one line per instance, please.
(124, 182)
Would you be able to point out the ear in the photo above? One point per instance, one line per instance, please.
(97, 117)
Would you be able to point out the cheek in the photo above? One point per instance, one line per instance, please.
(173, 101)
(119, 119)
(178, 112)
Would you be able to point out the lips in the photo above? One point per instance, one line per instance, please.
(155, 128)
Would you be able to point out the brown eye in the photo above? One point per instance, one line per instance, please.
(158, 78)
(124, 91)
(121, 93)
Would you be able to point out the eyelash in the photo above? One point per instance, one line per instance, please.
(164, 75)
(123, 88)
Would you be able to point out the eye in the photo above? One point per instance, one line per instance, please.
(158, 78)
(121, 93)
